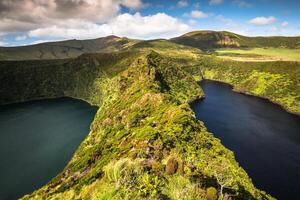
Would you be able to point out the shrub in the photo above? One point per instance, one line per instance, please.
(211, 193)
(172, 166)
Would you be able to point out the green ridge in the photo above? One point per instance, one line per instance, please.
(145, 142)
(65, 49)
(208, 40)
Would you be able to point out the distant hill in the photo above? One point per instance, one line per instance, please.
(204, 40)
(65, 49)
(213, 39)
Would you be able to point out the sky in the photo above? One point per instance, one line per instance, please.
(25, 22)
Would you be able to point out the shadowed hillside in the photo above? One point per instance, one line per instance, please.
(211, 39)
(65, 49)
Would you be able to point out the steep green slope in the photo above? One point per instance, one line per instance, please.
(277, 81)
(65, 49)
(36, 79)
(145, 141)
(179, 54)
(212, 39)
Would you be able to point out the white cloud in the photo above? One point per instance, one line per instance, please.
(25, 15)
(196, 5)
(197, 14)
(261, 21)
(3, 44)
(226, 21)
(182, 4)
(21, 37)
(39, 41)
(192, 22)
(133, 4)
(215, 2)
(285, 23)
(133, 26)
(274, 29)
(242, 3)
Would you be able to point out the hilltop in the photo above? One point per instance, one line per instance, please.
(65, 49)
(202, 40)
(214, 39)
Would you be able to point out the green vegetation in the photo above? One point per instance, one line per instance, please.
(65, 49)
(260, 54)
(37, 79)
(145, 142)
(209, 40)
(277, 81)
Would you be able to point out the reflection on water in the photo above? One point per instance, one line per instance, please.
(264, 138)
(37, 139)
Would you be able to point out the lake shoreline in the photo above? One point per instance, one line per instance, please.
(263, 136)
(254, 95)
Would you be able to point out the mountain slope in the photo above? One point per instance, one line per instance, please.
(204, 40)
(65, 49)
(38, 79)
(212, 39)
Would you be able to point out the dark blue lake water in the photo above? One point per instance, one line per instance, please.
(37, 139)
(264, 138)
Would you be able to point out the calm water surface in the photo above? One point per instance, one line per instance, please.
(264, 138)
(37, 139)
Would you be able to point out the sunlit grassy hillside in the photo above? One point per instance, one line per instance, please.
(260, 54)
(65, 49)
(208, 40)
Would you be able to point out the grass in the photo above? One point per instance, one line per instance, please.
(260, 54)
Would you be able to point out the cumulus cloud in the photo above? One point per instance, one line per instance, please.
(226, 21)
(182, 4)
(21, 37)
(242, 3)
(197, 14)
(133, 4)
(215, 2)
(24, 15)
(261, 21)
(134, 26)
(82, 19)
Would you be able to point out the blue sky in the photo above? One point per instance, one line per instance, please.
(24, 22)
